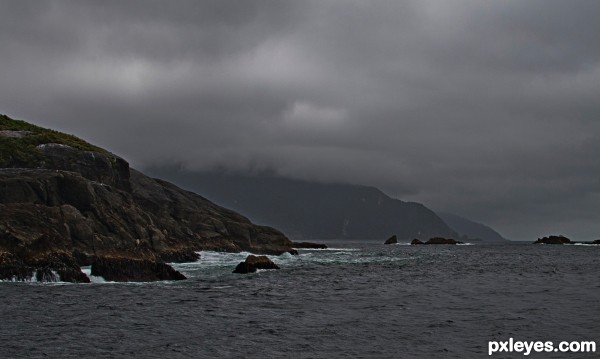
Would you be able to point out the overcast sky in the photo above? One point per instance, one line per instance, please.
(488, 109)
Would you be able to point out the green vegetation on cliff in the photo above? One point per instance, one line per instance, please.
(19, 141)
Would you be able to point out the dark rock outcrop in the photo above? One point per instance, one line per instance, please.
(597, 241)
(253, 263)
(440, 240)
(68, 204)
(60, 263)
(13, 268)
(133, 270)
(43, 267)
(308, 245)
(416, 241)
(392, 240)
(553, 240)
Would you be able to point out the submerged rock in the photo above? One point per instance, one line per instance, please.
(553, 240)
(253, 263)
(392, 240)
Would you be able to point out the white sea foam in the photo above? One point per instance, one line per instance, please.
(224, 260)
(94, 279)
(32, 279)
(211, 258)
(211, 261)
(87, 270)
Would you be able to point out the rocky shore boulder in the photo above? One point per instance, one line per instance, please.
(65, 203)
(553, 240)
(416, 241)
(253, 263)
(392, 240)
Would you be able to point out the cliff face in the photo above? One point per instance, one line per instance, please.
(66, 204)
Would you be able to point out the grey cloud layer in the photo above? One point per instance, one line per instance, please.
(488, 109)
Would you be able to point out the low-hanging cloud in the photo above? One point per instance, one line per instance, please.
(487, 109)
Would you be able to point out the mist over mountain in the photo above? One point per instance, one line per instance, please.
(435, 102)
(470, 229)
(311, 210)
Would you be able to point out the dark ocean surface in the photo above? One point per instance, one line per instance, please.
(356, 300)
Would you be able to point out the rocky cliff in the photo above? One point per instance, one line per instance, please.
(65, 203)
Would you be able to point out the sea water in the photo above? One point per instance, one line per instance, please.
(357, 299)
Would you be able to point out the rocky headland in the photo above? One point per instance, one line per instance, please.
(65, 203)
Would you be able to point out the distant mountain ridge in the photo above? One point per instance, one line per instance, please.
(469, 229)
(311, 210)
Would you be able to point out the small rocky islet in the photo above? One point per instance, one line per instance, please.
(254, 263)
(65, 203)
(435, 240)
(562, 240)
(392, 240)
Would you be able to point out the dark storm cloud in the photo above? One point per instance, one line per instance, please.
(488, 109)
